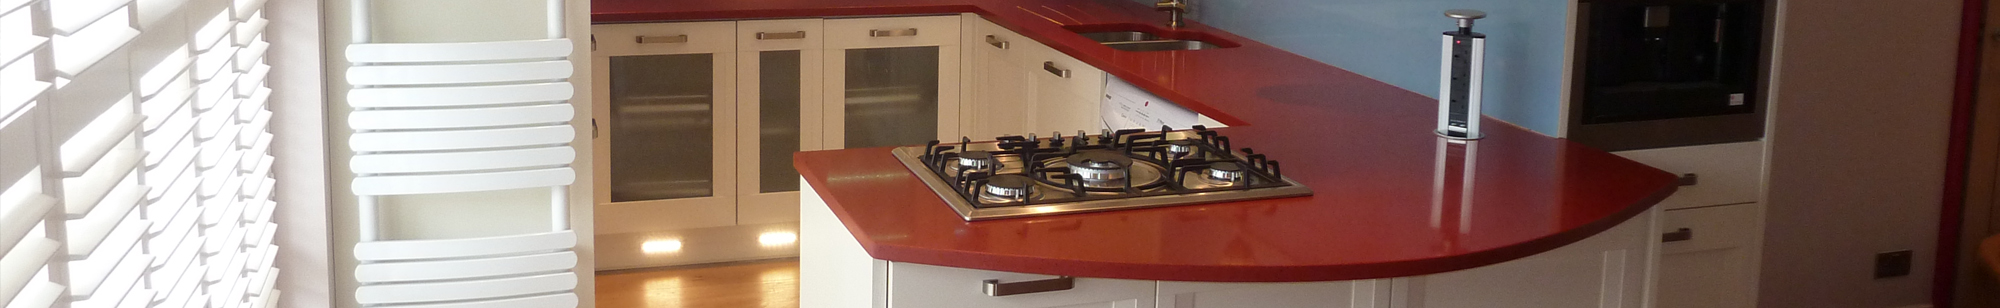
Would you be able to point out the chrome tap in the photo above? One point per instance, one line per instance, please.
(1175, 9)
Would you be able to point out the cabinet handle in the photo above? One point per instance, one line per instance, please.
(1683, 234)
(997, 43)
(1688, 179)
(663, 39)
(996, 288)
(781, 35)
(1051, 67)
(890, 33)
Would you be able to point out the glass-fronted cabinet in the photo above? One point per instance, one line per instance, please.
(891, 81)
(695, 123)
(665, 117)
(778, 107)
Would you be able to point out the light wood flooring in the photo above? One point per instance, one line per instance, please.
(768, 284)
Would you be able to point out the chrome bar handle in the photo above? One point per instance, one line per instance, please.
(1051, 67)
(996, 288)
(892, 33)
(997, 43)
(781, 35)
(1683, 234)
(643, 39)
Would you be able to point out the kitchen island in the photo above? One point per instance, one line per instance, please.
(1395, 208)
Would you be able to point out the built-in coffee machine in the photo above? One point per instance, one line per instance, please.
(1665, 73)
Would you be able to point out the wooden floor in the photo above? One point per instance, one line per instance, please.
(750, 284)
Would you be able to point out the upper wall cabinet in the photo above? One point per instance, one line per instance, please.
(891, 81)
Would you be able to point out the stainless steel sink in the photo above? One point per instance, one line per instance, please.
(1165, 45)
(1120, 36)
(1142, 41)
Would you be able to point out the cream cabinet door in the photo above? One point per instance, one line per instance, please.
(999, 84)
(665, 111)
(778, 113)
(1607, 270)
(916, 285)
(891, 81)
(1067, 93)
(1709, 257)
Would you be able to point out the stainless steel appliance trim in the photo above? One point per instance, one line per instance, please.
(908, 156)
(994, 287)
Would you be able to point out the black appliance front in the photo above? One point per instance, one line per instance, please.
(1663, 73)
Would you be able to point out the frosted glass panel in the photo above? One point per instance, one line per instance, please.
(662, 127)
(892, 96)
(778, 123)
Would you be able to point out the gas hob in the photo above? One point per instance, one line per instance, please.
(1018, 176)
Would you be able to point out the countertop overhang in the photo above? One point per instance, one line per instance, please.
(1391, 198)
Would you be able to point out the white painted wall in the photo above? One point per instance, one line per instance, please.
(298, 120)
(1861, 100)
(452, 215)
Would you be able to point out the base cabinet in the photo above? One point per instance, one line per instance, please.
(1610, 269)
(1712, 227)
(1710, 263)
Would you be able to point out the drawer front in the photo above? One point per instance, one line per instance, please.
(892, 32)
(665, 38)
(1724, 173)
(1709, 228)
(918, 285)
(788, 34)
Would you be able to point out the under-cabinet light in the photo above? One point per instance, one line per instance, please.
(660, 246)
(778, 238)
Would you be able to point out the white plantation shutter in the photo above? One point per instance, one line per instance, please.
(137, 171)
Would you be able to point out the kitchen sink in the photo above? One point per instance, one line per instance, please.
(1136, 37)
(1161, 45)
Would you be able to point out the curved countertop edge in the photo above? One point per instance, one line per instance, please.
(1230, 273)
(1259, 109)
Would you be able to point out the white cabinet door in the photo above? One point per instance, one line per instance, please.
(778, 113)
(1067, 92)
(1728, 173)
(1372, 293)
(917, 285)
(1709, 257)
(665, 107)
(1000, 88)
(891, 81)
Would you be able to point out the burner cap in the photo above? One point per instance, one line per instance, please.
(975, 159)
(1225, 171)
(1182, 146)
(1099, 165)
(1011, 187)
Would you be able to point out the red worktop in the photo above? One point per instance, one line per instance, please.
(1390, 199)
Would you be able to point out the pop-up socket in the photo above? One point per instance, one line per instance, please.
(1460, 78)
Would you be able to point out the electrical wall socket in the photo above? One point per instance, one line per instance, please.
(1892, 264)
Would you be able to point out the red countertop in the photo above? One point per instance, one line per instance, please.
(1390, 199)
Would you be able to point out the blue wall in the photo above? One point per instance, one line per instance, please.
(1396, 41)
